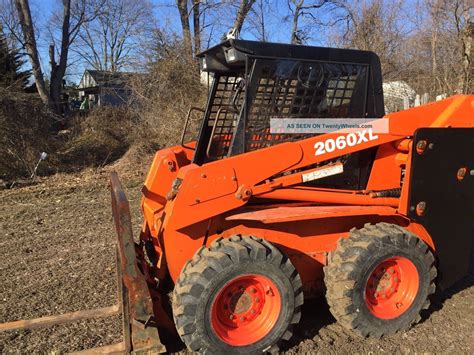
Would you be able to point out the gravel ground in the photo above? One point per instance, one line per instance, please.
(57, 253)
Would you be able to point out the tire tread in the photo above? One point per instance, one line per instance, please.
(341, 271)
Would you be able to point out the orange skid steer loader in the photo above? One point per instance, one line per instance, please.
(241, 226)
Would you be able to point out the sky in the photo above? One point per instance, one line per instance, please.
(167, 15)
(277, 21)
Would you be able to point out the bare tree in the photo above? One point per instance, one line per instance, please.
(462, 11)
(10, 23)
(296, 37)
(184, 17)
(197, 25)
(206, 17)
(244, 8)
(75, 15)
(436, 14)
(112, 41)
(441, 48)
(70, 21)
(301, 9)
(29, 43)
(376, 26)
(257, 20)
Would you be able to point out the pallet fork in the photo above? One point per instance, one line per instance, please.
(140, 331)
(136, 301)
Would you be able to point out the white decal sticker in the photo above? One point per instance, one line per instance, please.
(341, 142)
(323, 172)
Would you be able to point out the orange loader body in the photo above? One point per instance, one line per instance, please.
(243, 226)
(211, 202)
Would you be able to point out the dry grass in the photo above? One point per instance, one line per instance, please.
(153, 119)
(98, 139)
(25, 131)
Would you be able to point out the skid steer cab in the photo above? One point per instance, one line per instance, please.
(242, 224)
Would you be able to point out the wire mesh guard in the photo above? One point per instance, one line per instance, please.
(286, 89)
(223, 114)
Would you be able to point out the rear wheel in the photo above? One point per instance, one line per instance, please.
(240, 295)
(379, 279)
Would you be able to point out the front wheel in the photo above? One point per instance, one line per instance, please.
(379, 279)
(240, 295)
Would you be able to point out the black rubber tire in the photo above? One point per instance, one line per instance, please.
(353, 261)
(210, 269)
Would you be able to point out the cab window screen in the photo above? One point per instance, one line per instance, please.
(283, 89)
(299, 89)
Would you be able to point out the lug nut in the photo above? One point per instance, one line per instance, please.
(269, 291)
(242, 318)
(421, 208)
(254, 290)
(231, 316)
(421, 146)
(461, 173)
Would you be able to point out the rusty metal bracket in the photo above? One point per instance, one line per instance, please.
(139, 336)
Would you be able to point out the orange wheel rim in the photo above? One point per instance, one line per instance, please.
(392, 287)
(246, 310)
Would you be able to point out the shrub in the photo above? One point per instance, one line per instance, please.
(26, 129)
(98, 139)
(163, 96)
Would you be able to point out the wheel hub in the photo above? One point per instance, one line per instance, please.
(246, 309)
(392, 287)
(385, 282)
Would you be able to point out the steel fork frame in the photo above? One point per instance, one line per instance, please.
(140, 333)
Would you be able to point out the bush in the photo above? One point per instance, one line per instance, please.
(26, 130)
(154, 118)
(98, 139)
(163, 96)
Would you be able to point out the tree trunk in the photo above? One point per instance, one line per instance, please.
(26, 23)
(244, 8)
(58, 70)
(434, 63)
(197, 26)
(466, 38)
(294, 29)
(262, 23)
(183, 14)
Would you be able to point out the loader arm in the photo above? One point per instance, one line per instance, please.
(199, 199)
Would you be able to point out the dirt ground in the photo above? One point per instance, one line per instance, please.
(57, 255)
